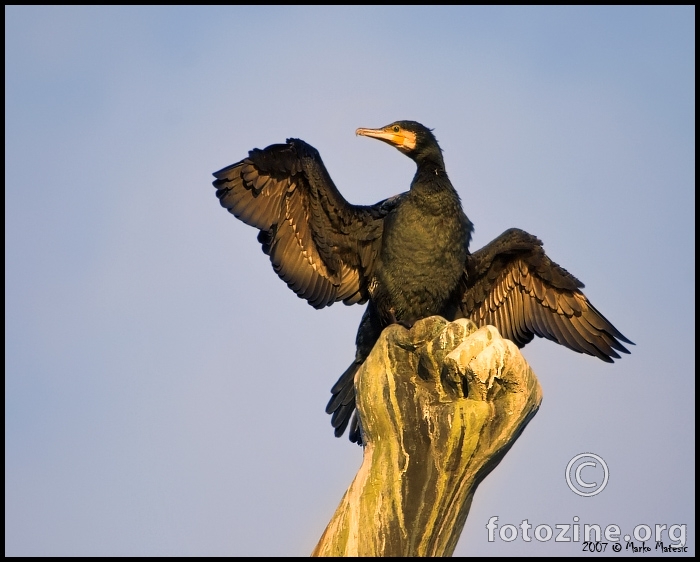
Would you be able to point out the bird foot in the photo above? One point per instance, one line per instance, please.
(405, 323)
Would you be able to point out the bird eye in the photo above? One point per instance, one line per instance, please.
(396, 128)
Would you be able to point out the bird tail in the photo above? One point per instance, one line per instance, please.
(342, 404)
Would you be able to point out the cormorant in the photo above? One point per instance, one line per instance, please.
(407, 256)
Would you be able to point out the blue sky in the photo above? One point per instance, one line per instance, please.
(165, 391)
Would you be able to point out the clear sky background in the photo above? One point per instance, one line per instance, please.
(165, 391)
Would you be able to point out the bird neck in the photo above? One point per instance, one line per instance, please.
(430, 169)
(433, 190)
(430, 160)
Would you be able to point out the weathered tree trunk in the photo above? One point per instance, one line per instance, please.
(440, 406)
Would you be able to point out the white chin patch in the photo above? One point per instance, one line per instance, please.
(409, 140)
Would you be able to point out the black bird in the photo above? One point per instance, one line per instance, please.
(407, 255)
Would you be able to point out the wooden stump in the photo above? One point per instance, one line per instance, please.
(440, 406)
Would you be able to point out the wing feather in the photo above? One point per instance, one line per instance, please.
(512, 284)
(323, 247)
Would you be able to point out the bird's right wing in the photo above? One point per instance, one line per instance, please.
(513, 285)
(323, 247)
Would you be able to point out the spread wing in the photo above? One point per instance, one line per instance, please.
(323, 247)
(513, 285)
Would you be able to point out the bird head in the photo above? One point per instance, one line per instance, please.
(410, 137)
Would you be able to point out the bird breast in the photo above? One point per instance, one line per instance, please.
(419, 263)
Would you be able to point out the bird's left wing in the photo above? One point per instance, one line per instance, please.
(322, 246)
(513, 285)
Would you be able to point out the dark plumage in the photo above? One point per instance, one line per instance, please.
(407, 255)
